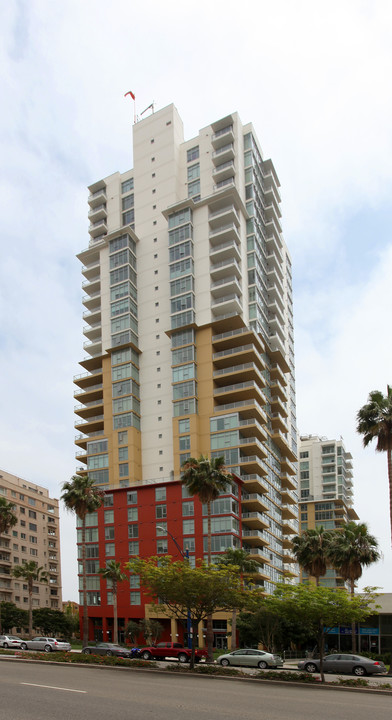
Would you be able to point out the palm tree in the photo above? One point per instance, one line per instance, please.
(206, 478)
(311, 551)
(374, 422)
(113, 573)
(31, 573)
(7, 520)
(82, 497)
(246, 566)
(351, 548)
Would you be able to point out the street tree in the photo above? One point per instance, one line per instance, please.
(207, 478)
(132, 630)
(351, 548)
(311, 551)
(246, 566)
(31, 573)
(181, 589)
(320, 609)
(81, 497)
(152, 630)
(12, 616)
(113, 575)
(374, 422)
(49, 621)
(7, 520)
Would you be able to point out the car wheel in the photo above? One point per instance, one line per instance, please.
(109, 653)
(311, 667)
(262, 665)
(146, 655)
(224, 662)
(5, 645)
(23, 646)
(86, 651)
(183, 658)
(359, 670)
(47, 648)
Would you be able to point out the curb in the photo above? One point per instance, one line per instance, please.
(157, 671)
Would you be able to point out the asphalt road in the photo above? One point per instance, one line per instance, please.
(49, 692)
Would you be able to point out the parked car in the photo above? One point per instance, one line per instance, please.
(10, 641)
(102, 648)
(251, 658)
(344, 665)
(171, 650)
(48, 644)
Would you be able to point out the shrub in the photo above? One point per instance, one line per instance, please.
(288, 676)
(87, 659)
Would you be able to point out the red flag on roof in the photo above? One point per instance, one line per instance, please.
(130, 93)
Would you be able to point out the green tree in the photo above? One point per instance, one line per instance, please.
(239, 558)
(31, 573)
(113, 575)
(374, 422)
(81, 497)
(152, 630)
(132, 631)
(351, 548)
(311, 551)
(12, 616)
(51, 622)
(207, 478)
(321, 608)
(201, 591)
(7, 520)
(264, 624)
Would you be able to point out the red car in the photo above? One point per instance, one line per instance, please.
(171, 650)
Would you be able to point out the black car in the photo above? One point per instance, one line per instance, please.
(109, 649)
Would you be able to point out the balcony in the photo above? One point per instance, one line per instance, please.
(277, 406)
(92, 286)
(88, 379)
(275, 314)
(223, 184)
(255, 538)
(223, 233)
(252, 444)
(289, 528)
(237, 391)
(288, 482)
(90, 394)
(89, 409)
(225, 286)
(231, 303)
(252, 464)
(255, 484)
(223, 137)
(98, 197)
(279, 427)
(254, 520)
(276, 343)
(98, 228)
(251, 425)
(90, 425)
(225, 215)
(228, 267)
(249, 353)
(94, 347)
(97, 213)
(249, 371)
(93, 332)
(223, 154)
(92, 269)
(289, 512)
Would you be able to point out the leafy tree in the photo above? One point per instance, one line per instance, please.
(7, 520)
(201, 591)
(132, 630)
(81, 497)
(71, 611)
(374, 422)
(351, 548)
(239, 558)
(12, 616)
(321, 608)
(113, 575)
(152, 630)
(31, 573)
(207, 478)
(311, 551)
(265, 625)
(52, 622)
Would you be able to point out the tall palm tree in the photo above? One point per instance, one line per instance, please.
(113, 573)
(374, 422)
(31, 573)
(311, 551)
(7, 520)
(206, 478)
(81, 497)
(352, 547)
(246, 566)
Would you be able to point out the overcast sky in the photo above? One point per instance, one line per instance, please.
(314, 78)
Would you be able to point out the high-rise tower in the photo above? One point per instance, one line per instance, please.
(189, 326)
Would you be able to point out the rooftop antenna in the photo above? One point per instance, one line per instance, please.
(150, 107)
(134, 104)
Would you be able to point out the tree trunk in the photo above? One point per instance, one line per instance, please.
(210, 634)
(353, 624)
(234, 630)
(321, 650)
(85, 615)
(30, 608)
(389, 453)
(194, 642)
(115, 621)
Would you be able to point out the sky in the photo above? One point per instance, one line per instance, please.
(314, 79)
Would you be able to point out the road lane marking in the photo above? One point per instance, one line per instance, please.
(54, 687)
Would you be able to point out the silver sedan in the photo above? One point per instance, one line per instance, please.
(251, 658)
(48, 644)
(344, 664)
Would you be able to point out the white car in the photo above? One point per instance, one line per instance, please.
(10, 641)
(247, 657)
(48, 644)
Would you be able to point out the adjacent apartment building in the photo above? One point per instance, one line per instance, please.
(189, 338)
(35, 537)
(325, 472)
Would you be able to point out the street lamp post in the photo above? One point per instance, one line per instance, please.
(185, 556)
